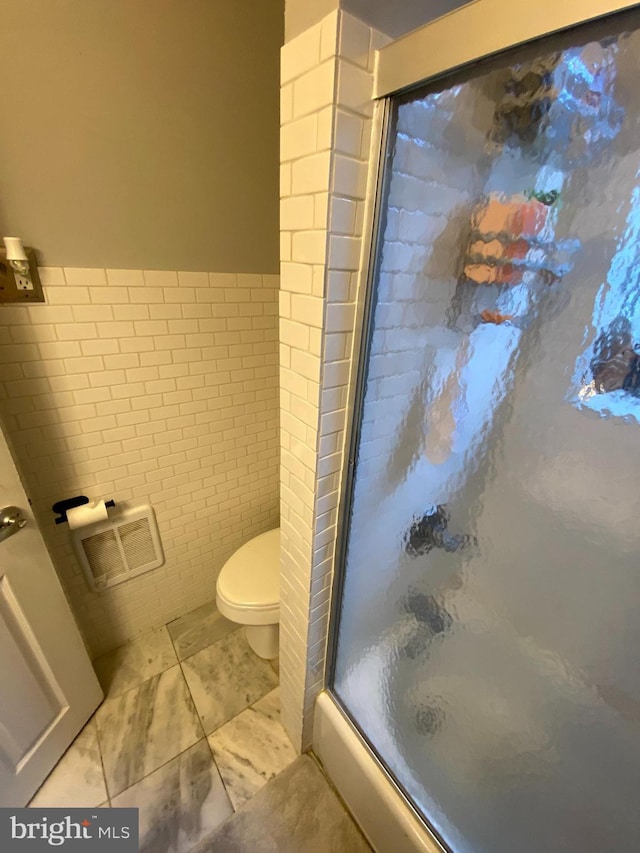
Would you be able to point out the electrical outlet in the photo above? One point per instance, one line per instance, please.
(17, 286)
(23, 282)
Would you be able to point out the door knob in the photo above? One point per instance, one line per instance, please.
(11, 520)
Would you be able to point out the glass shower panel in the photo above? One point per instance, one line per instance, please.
(489, 624)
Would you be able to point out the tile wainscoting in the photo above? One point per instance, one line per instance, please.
(131, 384)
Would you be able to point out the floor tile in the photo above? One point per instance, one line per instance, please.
(225, 678)
(135, 662)
(145, 727)
(198, 629)
(181, 803)
(252, 748)
(77, 779)
(297, 811)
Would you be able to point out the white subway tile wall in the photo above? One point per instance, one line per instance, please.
(155, 384)
(327, 77)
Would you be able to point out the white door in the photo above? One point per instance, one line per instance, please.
(48, 688)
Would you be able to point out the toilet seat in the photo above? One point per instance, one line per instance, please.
(248, 586)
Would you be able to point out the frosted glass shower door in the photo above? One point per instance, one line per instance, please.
(488, 631)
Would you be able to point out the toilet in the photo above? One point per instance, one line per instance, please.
(248, 591)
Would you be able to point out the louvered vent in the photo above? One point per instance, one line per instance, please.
(116, 550)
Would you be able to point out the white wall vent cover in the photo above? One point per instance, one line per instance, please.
(120, 548)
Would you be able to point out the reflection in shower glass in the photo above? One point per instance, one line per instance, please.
(608, 372)
(490, 612)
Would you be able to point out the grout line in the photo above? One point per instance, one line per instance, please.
(200, 724)
(193, 701)
(159, 767)
(172, 757)
(139, 684)
(215, 643)
(224, 784)
(204, 737)
(166, 626)
(277, 722)
(248, 707)
(104, 774)
(148, 678)
(186, 682)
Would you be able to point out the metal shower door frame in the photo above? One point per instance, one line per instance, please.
(478, 31)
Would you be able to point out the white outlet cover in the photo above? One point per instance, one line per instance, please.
(23, 282)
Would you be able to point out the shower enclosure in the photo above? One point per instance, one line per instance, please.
(486, 620)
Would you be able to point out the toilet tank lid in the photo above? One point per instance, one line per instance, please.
(251, 576)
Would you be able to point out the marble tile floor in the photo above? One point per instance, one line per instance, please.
(188, 732)
(296, 812)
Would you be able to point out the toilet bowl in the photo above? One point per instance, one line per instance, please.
(248, 591)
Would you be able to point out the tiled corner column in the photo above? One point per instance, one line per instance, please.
(325, 138)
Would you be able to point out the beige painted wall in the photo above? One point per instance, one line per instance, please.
(302, 14)
(142, 133)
